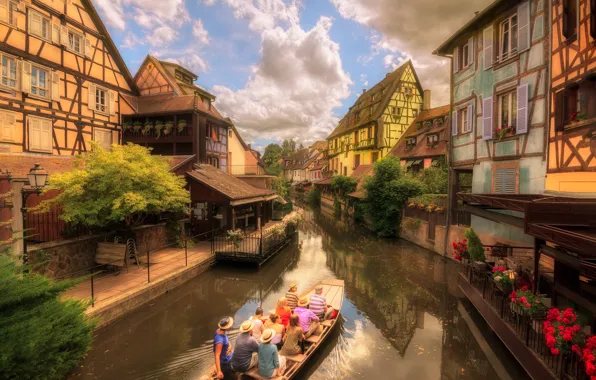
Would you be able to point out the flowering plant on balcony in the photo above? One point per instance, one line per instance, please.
(235, 236)
(503, 131)
(502, 275)
(589, 357)
(562, 333)
(460, 250)
(527, 301)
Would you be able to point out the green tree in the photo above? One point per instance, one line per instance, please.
(281, 187)
(435, 180)
(288, 147)
(272, 155)
(41, 336)
(118, 187)
(387, 192)
(343, 185)
(475, 248)
(313, 198)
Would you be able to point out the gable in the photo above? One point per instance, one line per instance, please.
(151, 80)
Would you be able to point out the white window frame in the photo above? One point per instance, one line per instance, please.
(512, 118)
(42, 17)
(17, 71)
(97, 132)
(106, 98)
(11, 9)
(511, 52)
(462, 120)
(48, 147)
(48, 84)
(81, 37)
(464, 53)
(7, 129)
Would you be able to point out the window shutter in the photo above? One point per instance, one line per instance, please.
(471, 118)
(522, 109)
(487, 46)
(4, 9)
(34, 134)
(593, 19)
(4, 131)
(19, 74)
(487, 118)
(454, 123)
(456, 60)
(55, 86)
(56, 33)
(26, 77)
(523, 27)
(9, 124)
(64, 35)
(505, 181)
(46, 135)
(560, 110)
(34, 23)
(112, 103)
(91, 93)
(21, 6)
(471, 51)
(88, 49)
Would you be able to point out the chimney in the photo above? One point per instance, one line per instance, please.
(249, 146)
(426, 100)
(363, 90)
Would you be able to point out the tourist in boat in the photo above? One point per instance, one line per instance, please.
(292, 297)
(273, 324)
(318, 304)
(246, 349)
(222, 348)
(257, 319)
(293, 337)
(271, 364)
(308, 320)
(283, 311)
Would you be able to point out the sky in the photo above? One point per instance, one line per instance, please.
(289, 68)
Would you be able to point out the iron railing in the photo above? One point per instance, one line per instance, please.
(250, 247)
(364, 143)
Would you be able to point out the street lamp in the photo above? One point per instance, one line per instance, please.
(37, 180)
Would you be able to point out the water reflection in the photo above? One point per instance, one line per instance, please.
(401, 318)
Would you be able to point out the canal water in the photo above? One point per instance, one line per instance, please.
(402, 317)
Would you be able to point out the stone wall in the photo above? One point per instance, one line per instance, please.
(76, 257)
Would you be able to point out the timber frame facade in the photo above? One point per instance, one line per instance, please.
(572, 133)
(64, 83)
(376, 121)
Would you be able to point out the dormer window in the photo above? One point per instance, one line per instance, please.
(410, 142)
(432, 139)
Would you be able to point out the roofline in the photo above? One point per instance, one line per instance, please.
(195, 76)
(188, 173)
(174, 168)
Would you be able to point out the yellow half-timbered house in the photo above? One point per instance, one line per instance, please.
(63, 82)
(376, 122)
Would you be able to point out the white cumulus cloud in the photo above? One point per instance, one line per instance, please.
(199, 31)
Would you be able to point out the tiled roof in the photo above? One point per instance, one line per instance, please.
(321, 145)
(320, 164)
(362, 171)
(370, 110)
(421, 149)
(152, 104)
(178, 161)
(297, 160)
(228, 185)
(18, 165)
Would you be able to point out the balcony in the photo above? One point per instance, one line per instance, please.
(246, 170)
(523, 335)
(148, 135)
(364, 144)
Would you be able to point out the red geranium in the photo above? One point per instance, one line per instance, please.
(460, 250)
(529, 302)
(589, 357)
(562, 334)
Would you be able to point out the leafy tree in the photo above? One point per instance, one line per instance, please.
(343, 185)
(121, 186)
(41, 336)
(475, 248)
(301, 147)
(288, 147)
(272, 155)
(435, 180)
(281, 187)
(313, 198)
(387, 192)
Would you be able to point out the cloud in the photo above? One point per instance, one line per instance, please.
(363, 79)
(208, 2)
(198, 30)
(402, 33)
(162, 36)
(293, 89)
(113, 12)
(265, 14)
(131, 41)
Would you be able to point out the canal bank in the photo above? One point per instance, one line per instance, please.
(401, 315)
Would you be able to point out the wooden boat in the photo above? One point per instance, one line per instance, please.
(333, 290)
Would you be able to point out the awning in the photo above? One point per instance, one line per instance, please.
(240, 202)
(280, 200)
(408, 164)
(417, 162)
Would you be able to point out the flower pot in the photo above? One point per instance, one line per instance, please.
(480, 265)
(505, 287)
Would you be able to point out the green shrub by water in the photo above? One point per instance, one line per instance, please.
(475, 248)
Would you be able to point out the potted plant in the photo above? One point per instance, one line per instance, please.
(137, 125)
(588, 355)
(158, 128)
(147, 127)
(503, 277)
(460, 251)
(525, 301)
(501, 132)
(562, 333)
(181, 125)
(127, 125)
(475, 249)
(167, 128)
(235, 236)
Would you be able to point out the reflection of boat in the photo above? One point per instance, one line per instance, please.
(333, 290)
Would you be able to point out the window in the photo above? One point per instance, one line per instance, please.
(396, 111)
(40, 134)
(356, 160)
(39, 82)
(415, 113)
(410, 142)
(364, 134)
(570, 16)
(345, 170)
(103, 138)
(463, 120)
(9, 71)
(39, 25)
(356, 137)
(75, 42)
(374, 157)
(200, 211)
(8, 12)
(505, 179)
(8, 124)
(508, 38)
(432, 139)
(463, 56)
(213, 161)
(101, 104)
(508, 110)
(575, 104)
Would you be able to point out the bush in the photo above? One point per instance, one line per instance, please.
(387, 192)
(475, 248)
(435, 180)
(313, 198)
(281, 187)
(343, 185)
(41, 336)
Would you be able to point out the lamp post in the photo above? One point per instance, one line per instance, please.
(37, 180)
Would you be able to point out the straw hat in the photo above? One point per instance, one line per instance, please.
(292, 286)
(303, 302)
(267, 335)
(225, 323)
(246, 326)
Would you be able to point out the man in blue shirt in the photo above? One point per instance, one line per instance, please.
(245, 351)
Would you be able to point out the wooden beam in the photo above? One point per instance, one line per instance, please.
(495, 216)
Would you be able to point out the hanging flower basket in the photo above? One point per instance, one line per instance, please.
(137, 125)
(159, 126)
(147, 127)
(235, 236)
(526, 302)
(127, 125)
(181, 125)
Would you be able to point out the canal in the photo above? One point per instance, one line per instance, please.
(402, 318)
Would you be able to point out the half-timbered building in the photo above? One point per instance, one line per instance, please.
(376, 122)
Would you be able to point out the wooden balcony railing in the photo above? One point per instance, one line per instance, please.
(131, 134)
(363, 144)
